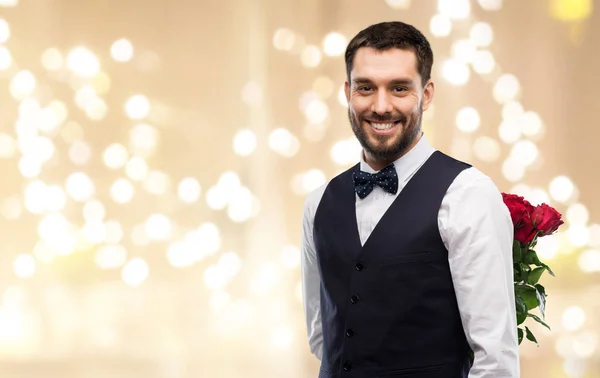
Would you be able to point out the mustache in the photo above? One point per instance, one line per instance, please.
(385, 118)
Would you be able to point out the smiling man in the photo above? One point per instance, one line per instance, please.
(407, 256)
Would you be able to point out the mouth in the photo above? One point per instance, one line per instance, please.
(383, 128)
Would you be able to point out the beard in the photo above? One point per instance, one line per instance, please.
(381, 150)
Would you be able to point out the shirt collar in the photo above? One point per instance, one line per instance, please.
(409, 162)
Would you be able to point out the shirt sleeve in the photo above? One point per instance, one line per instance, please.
(311, 281)
(476, 228)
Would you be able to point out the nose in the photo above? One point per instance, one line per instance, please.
(381, 103)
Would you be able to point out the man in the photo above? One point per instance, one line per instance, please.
(406, 257)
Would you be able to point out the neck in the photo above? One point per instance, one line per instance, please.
(379, 163)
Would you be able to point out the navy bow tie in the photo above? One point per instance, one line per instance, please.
(364, 182)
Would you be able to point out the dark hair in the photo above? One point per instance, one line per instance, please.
(390, 35)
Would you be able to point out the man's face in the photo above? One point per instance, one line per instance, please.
(386, 100)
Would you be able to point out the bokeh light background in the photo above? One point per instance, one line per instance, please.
(155, 156)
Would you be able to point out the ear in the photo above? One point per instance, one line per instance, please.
(428, 91)
(347, 90)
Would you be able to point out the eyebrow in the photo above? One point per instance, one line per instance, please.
(405, 82)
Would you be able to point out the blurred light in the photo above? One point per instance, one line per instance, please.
(490, 5)
(346, 152)
(55, 197)
(509, 131)
(4, 31)
(52, 59)
(244, 142)
(512, 111)
(311, 56)
(53, 116)
(157, 182)
(342, 97)
(115, 156)
(463, 50)
(314, 132)
(216, 198)
(80, 152)
(594, 235)
(136, 168)
(398, 4)
(24, 265)
(455, 9)
(122, 191)
(467, 119)
(538, 196)
(513, 169)
(219, 300)
(578, 235)
(135, 272)
(189, 190)
(440, 25)
(334, 44)
(268, 275)
(94, 210)
(121, 50)
(483, 62)
(531, 124)
(290, 256)
(574, 367)
(110, 256)
(207, 239)
(305, 183)
(252, 94)
(455, 72)
(307, 98)
(547, 247)
(561, 189)
(525, 151)
(83, 62)
(96, 109)
(240, 207)
(481, 34)
(284, 39)
(8, 146)
(577, 213)
(573, 318)
(214, 278)
(143, 140)
(85, 96)
(571, 10)
(137, 107)
(589, 261)
(11, 208)
(43, 252)
(316, 112)
(506, 89)
(282, 337)
(585, 344)
(158, 227)
(9, 3)
(34, 194)
(323, 86)
(461, 147)
(22, 84)
(179, 255)
(486, 149)
(80, 187)
(284, 142)
(139, 236)
(29, 166)
(230, 264)
(94, 231)
(114, 232)
(101, 83)
(5, 58)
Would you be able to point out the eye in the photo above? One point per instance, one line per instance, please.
(400, 89)
(364, 88)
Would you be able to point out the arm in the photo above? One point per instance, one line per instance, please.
(311, 281)
(478, 233)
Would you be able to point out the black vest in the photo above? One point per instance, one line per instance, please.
(388, 308)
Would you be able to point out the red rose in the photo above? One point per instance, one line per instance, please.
(546, 219)
(519, 208)
(525, 231)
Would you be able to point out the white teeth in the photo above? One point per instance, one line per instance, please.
(382, 126)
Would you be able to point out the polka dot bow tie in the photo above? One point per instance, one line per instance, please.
(364, 182)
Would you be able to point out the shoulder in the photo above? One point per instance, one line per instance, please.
(473, 188)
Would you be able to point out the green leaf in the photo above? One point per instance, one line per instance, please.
(534, 275)
(517, 255)
(537, 319)
(548, 269)
(532, 258)
(521, 310)
(530, 336)
(541, 297)
(528, 294)
(520, 331)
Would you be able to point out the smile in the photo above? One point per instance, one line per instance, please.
(382, 127)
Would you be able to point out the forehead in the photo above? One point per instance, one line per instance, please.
(384, 64)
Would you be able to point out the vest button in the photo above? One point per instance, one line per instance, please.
(349, 332)
(354, 299)
(359, 267)
(347, 366)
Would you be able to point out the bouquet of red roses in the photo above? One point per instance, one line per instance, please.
(530, 222)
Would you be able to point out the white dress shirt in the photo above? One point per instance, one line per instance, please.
(477, 231)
